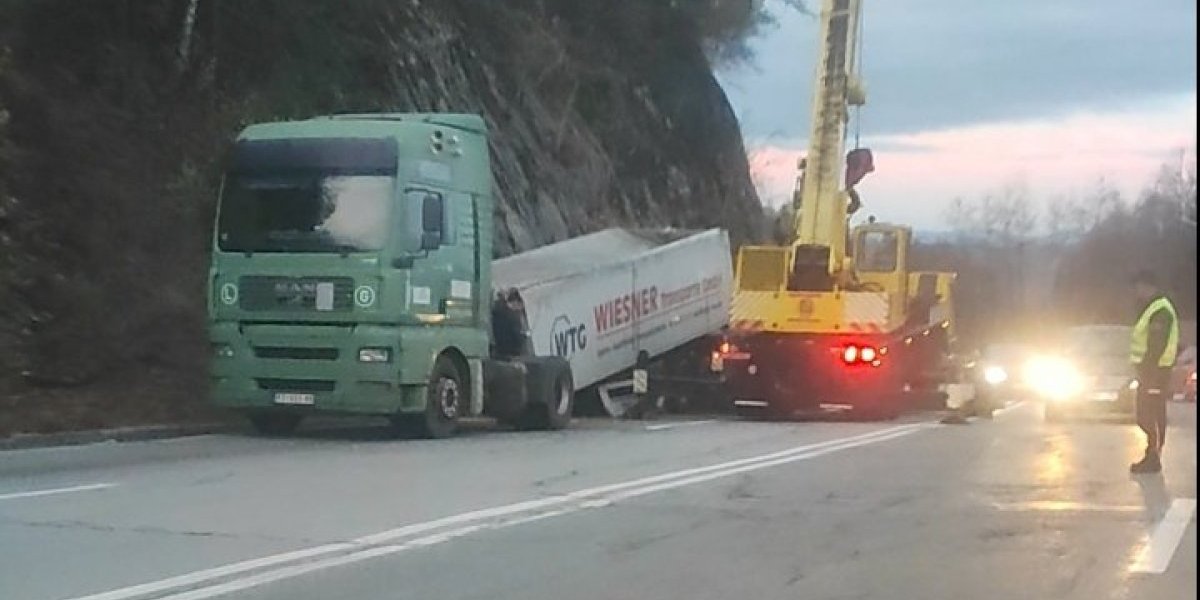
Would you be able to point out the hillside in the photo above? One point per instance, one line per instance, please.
(115, 115)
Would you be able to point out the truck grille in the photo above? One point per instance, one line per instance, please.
(296, 353)
(296, 385)
(263, 293)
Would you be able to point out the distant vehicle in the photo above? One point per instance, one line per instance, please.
(996, 376)
(1183, 378)
(1090, 375)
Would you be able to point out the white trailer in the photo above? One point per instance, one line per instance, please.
(603, 299)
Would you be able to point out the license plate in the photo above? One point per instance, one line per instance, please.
(1105, 396)
(295, 399)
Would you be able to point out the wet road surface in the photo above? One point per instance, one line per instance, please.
(700, 509)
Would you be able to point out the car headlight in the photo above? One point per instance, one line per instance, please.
(1053, 378)
(375, 355)
(222, 350)
(995, 375)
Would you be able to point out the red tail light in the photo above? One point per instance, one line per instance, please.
(854, 354)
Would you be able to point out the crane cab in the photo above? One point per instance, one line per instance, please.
(879, 263)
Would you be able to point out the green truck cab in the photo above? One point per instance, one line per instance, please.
(350, 275)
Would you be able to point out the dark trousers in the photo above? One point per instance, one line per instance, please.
(1152, 406)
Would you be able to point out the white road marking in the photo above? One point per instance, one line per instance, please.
(662, 426)
(1156, 555)
(753, 466)
(206, 575)
(66, 490)
(435, 532)
(1065, 506)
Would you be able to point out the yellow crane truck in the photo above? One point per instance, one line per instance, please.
(836, 320)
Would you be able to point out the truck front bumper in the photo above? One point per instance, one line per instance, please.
(311, 368)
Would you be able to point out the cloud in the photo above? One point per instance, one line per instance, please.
(918, 173)
(934, 64)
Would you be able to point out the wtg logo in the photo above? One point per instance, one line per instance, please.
(567, 339)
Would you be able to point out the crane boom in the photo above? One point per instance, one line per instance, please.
(821, 217)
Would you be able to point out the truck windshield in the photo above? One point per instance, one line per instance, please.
(305, 213)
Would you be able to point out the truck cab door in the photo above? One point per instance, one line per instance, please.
(443, 268)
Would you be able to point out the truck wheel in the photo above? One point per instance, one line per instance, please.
(552, 396)
(444, 402)
(274, 424)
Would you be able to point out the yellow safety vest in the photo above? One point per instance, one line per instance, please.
(1141, 334)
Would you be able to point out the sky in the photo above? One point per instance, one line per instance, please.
(965, 98)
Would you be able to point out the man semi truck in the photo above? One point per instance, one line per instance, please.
(352, 274)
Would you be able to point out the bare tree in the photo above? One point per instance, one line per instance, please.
(1068, 217)
(1002, 218)
(999, 258)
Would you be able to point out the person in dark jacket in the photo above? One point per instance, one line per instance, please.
(1152, 350)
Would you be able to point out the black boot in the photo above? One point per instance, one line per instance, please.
(1148, 464)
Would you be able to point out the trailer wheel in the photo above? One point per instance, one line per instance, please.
(275, 423)
(551, 396)
(444, 402)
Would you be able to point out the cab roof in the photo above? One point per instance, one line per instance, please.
(363, 125)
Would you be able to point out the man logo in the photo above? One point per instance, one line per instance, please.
(805, 306)
(567, 339)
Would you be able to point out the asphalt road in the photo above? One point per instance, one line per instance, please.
(1012, 508)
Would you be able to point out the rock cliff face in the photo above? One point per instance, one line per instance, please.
(115, 116)
(590, 129)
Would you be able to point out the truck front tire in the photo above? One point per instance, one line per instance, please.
(445, 399)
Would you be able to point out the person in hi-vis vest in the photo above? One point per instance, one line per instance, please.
(1152, 350)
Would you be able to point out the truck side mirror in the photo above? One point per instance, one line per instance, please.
(432, 218)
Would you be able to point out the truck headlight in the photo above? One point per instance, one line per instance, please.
(1134, 385)
(995, 375)
(375, 355)
(222, 350)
